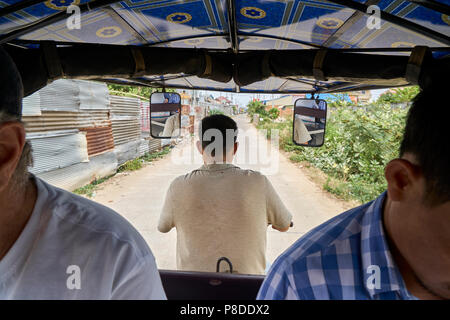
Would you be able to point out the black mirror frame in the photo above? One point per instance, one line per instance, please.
(324, 129)
(160, 105)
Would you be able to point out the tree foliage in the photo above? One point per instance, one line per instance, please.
(400, 95)
(256, 107)
(273, 113)
(359, 142)
(215, 111)
(143, 92)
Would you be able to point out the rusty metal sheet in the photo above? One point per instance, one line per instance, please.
(99, 139)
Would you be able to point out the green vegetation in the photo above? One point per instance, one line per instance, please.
(273, 113)
(134, 91)
(359, 142)
(215, 111)
(131, 165)
(138, 163)
(89, 189)
(257, 107)
(400, 95)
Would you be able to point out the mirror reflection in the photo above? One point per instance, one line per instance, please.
(309, 122)
(165, 110)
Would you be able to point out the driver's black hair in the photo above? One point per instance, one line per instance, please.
(427, 137)
(221, 123)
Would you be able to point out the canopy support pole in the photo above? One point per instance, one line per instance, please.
(433, 5)
(347, 24)
(232, 26)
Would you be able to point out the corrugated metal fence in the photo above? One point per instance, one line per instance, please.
(80, 133)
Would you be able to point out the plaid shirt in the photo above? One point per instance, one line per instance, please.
(347, 257)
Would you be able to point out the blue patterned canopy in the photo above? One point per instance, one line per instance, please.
(252, 25)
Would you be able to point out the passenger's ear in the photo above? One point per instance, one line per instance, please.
(12, 140)
(236, 146)
(199, 147)
(403, 180)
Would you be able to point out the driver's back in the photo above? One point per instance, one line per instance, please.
(221, 210)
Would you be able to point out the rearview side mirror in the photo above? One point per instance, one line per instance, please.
(310, 117)
(165, 111)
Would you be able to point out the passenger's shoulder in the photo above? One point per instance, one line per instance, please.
(337, 234)
(300, 267)
(91, 220)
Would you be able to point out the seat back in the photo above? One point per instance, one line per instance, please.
(183, 285)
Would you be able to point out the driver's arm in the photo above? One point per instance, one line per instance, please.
(285, 229)
(277, 214)
(166, 220)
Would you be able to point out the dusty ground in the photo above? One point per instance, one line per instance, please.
(139, 195)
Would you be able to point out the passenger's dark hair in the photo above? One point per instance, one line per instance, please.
(219, 122)
(427, 137)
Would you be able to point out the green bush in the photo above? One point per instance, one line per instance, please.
(358, 144)
(399, 95)
(274, 113)
(215, 111)
(256, 107)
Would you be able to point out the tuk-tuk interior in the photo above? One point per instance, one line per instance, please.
(234, 46)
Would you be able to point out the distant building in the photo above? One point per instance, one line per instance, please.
(286, 100)
(360, 97)
(223, 100)
(285, 104)
(186, 101)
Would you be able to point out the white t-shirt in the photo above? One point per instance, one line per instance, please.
(301, 133)
(74, 248)
(221, 210)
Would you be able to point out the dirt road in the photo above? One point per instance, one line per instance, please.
(139, 195)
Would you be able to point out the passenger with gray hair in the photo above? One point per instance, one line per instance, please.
(54, 244)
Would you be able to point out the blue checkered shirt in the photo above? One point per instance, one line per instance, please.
(347, 258)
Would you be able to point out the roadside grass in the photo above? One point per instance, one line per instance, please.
(132, 165)
(89, 189)
(358, 144)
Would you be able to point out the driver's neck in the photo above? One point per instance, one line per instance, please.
(226, 160)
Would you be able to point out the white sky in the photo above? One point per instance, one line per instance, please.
(243, 98)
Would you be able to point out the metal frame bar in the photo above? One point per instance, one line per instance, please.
(401, 22)
(359, 50)
(332, 89)
(336, 87)
(347, 24)
(283, 85)
(239, 34)
(18, 6)
(232, 26)
(187, 38)
(433, 5)
(230, 90)
(116, 16)
(188, 82)
(200, 37)
(302, 82)
(243, 34)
